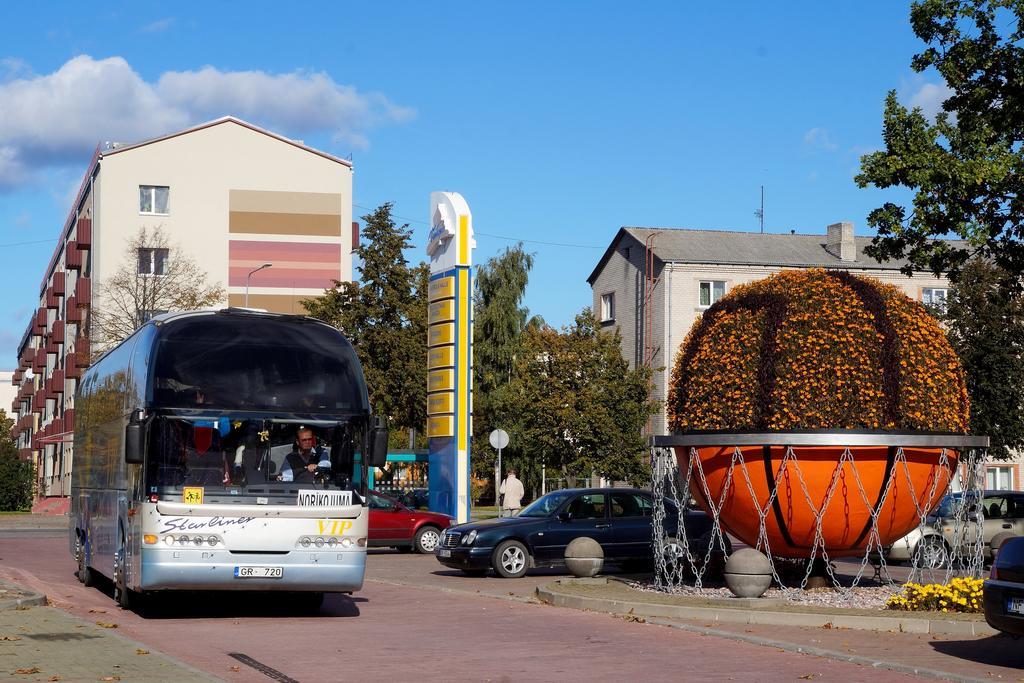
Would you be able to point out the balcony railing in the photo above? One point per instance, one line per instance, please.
(57, 283)
(83, 292)
(72, 257)
(40, 321)
(71, 312)
(83, 236)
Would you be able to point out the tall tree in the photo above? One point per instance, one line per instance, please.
(967, 167)
(581, 409)
(384, 316)
(16, 476)
(498, 322)
(155, 276)
(985, 324)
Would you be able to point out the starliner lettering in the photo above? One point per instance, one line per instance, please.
(186, 524)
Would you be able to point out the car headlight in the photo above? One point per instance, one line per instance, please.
(468, 539)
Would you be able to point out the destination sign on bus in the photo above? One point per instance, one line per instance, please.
(324, 498)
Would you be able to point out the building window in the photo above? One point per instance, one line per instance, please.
(710, 292)
(152, 261)
(154, 199)
(934, 297)
(999, 478)
(607, 307)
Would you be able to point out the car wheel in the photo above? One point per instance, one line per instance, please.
(511, 559)
(673, 554)
(475, 572)
(427, 540)
(931, 553)
(997, 542)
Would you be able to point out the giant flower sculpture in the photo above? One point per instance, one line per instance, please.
(818, 350)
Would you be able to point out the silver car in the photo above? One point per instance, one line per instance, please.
(952, 528)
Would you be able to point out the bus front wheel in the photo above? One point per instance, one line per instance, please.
(85, 575)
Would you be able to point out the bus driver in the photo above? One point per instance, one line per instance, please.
(304, 460)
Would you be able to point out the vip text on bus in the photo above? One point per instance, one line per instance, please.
(224, 450)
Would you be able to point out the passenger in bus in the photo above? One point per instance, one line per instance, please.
(306, 458)
(206, 463)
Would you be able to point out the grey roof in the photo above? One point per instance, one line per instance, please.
(723, 247)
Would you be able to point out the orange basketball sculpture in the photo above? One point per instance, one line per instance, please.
(818, 362)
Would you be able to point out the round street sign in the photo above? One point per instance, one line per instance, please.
(499, 438)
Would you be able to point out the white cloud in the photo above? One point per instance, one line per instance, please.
(917, 92)
(55, 119)
(157, 26)
(929, 97)
(818, 139)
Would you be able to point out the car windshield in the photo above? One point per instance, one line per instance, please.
(545, 505)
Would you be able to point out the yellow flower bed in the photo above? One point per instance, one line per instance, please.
(959, 595)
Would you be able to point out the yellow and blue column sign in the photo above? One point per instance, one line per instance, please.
(450, 353)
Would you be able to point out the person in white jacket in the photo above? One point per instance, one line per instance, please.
(512, 495)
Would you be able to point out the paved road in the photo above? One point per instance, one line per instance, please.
(445, 632)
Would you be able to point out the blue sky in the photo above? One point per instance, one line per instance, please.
(558, 121)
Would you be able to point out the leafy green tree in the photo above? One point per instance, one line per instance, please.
(966, 167)
(16, 476)
(498, 322)
(985, 325)
(581, 409)
(384, 315)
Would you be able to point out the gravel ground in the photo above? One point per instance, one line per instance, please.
(866, 597)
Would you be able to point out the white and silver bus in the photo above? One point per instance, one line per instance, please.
(186, 474)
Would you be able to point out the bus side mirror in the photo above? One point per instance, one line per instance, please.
(378, 443)
(133, 443)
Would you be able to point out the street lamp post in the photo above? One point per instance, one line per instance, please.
(256, 270)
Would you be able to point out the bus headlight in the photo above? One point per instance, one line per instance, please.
(319, 542)
(304, 541)
(169, 540)
(332, 541)
(346, 542)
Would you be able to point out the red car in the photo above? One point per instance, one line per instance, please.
(395, 525)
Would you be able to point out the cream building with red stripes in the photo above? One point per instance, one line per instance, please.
(229, 195)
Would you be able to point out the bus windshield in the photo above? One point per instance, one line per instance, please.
(212, 361)
(231, 456)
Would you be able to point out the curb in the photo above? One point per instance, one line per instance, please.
(822, 652)
(552, 596)
(30, 599)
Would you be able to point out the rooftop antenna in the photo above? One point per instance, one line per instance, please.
(760, 212)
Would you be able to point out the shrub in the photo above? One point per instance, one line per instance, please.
(16, 480)
(959, 595)
(817, 349)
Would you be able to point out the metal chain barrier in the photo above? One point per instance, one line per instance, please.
(945, 547)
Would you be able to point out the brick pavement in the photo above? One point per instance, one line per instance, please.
(48, 644)
(430, 589)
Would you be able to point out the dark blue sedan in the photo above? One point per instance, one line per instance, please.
(619, 519)
(1004, 589)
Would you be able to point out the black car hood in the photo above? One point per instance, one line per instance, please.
(496, 523)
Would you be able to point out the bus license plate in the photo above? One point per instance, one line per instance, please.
(252, 572)
(444, 552)
(1015, 605)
